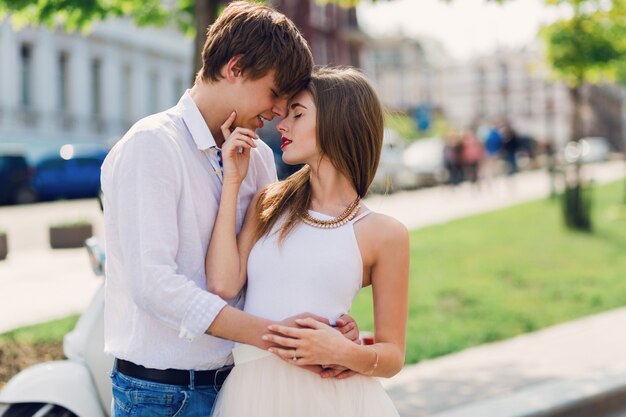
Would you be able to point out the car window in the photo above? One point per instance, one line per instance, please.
(52, 164)
(88, 162)
(12, 162)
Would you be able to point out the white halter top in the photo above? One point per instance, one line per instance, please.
(314, 270)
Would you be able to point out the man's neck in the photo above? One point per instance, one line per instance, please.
(212, 109)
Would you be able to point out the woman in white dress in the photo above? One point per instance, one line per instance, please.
(309, 244)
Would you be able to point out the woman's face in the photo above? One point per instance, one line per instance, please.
(298, 129)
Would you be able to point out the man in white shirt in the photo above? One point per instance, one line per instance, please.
(161, 184)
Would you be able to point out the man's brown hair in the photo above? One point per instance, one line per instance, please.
(264, 39)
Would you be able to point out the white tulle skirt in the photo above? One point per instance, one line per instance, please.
(262, 385)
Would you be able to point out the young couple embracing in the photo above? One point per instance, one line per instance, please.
(211, 262)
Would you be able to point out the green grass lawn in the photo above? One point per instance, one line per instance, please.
(27, 346)
(492, 276)
(50, 331)
(500, 274)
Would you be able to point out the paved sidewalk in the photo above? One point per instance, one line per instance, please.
(535, 370)
(37, 283)
(436, 205)
(495, 379)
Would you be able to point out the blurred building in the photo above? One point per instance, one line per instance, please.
(401, 72)
(517, 86)
(332, 31)
(57, 87)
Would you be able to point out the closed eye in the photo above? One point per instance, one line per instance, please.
(297, 116)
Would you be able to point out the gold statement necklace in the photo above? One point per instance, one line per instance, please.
(347, 215)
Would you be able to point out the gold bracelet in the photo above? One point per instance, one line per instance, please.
(375, 365)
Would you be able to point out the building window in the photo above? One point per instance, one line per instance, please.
(63, 82)
(127, 94)
(481, 78)
(504, 76)
(528, 106)
(178, 89)
(320, 50)
(528, 84)
(26, 56)
(96, 87)
(318, 15)
(153, 92)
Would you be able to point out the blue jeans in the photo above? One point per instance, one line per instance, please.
(134, 397)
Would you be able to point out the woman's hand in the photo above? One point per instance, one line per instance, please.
(337, 372)
(236, 150)
(346, 325)
(314, 344)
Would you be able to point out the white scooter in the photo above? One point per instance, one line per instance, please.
(78, 386)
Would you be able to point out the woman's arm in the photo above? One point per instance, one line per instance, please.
(227, 255)
(390, 278)
(321, 344)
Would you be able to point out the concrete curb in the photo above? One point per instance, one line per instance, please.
(599, 394)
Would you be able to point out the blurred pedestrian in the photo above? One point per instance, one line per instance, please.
(492, 153)
(510, 147)
(472, 156)
(453, 157)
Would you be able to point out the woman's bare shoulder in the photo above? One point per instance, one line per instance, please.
(385, 228)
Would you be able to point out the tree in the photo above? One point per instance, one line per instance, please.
(579, 49)
(192, 17)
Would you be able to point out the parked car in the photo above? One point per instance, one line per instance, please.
(15, 178)
(73, 172)
(425, 159)
(392, 173)
(588, 149)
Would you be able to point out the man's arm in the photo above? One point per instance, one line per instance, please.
(236, 325)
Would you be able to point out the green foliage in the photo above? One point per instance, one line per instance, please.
(402, 124)
(406, 127)
(579, 45)
(343, 3)
(501, 274)
(589, 44)
(74, 15)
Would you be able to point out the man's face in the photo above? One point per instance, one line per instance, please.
(258, 101)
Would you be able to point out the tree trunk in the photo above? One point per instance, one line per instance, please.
(577, 124)
(577, 196)
(205, 12)
(623, 124)
(551, 147)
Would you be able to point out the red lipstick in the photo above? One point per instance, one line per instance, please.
(284, 142)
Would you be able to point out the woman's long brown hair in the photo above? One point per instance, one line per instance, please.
(349, 133)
